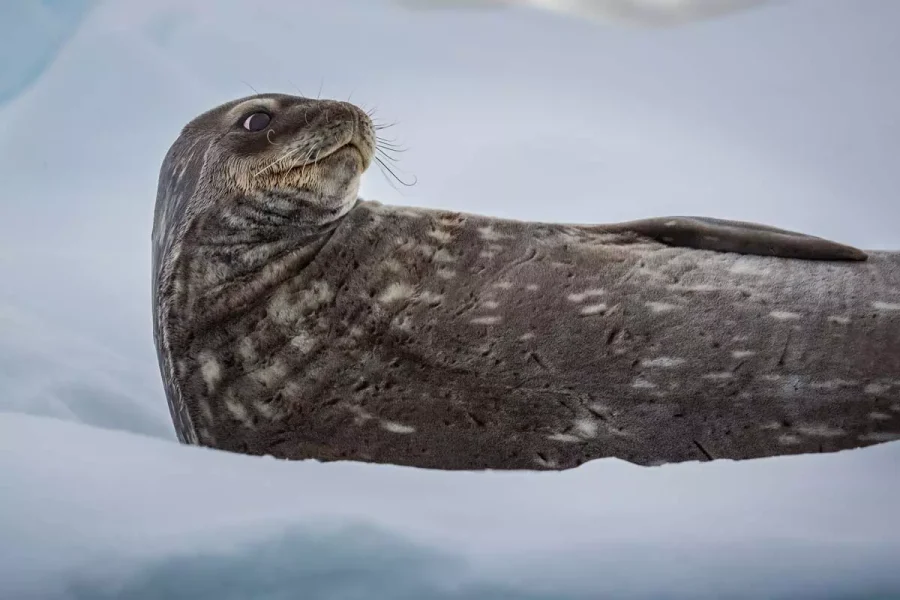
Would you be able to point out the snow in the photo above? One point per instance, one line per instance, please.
(98, 501)
(90, 513)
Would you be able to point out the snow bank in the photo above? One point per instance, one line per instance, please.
(88, 513)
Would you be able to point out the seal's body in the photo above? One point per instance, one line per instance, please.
(294, 320)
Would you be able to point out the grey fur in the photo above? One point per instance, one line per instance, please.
(306, 324)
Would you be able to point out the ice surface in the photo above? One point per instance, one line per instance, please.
(89, 513)
(760, 116)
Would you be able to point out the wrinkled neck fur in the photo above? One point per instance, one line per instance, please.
(237, 254)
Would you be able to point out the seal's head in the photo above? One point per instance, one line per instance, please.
(314, 150)
(240, 182)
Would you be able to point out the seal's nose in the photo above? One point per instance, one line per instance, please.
(363, 130)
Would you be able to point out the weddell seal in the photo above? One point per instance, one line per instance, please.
(295, 320)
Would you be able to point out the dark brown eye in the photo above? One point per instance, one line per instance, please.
(257, 121)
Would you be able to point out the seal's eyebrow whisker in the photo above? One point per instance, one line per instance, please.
(294, 85)
(269, 139)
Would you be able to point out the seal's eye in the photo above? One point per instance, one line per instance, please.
(257, 121)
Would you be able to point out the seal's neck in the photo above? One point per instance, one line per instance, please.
(239, 253)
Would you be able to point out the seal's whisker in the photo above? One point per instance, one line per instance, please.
(275, 162)
(385, 167)
(389, 145)
(386, 156)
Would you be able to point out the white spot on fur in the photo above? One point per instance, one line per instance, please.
(564, 437)
(783, 315)
(880, 416)
(721, 376)
(303, 342)
(664, 362)
(487, 320)
(876, 388)
(581, 297)
(360, 415)
(839, 320)
(547, 463)
(503, 285)
(490, 304)
(788, 439)
(271, 374)
(238, 411)
(586, 428)
(402, 323)
(487, 254)
(532, 287)
(318, 294)
(831, 384)
(743, 353)
(395, 292)
(443, 256)
(247, 350)
(642, 384)
(266, 410)
(489, 235)
(661, 307)
(748, 268)
(395, 427)
(392, 264)
(886, 305)
(210, 369)
(527, 336)
(440, 235)
(820, 430)
(429, 297)
(593, 309)
(446, 273)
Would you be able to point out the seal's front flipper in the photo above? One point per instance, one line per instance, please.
(703, 233)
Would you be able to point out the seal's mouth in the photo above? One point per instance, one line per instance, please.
(353, 146)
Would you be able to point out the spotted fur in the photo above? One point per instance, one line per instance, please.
(294, 320)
